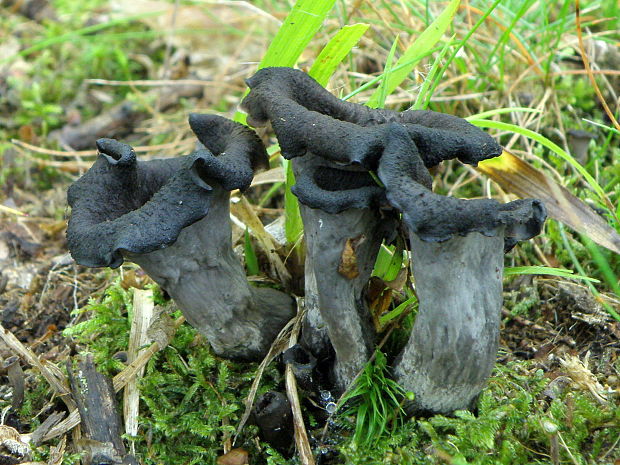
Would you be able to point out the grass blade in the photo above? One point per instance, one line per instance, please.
(385, 319)
(251, 261)
(293, 225)
(387, 71)
(424, 43)
(334, 52)
(297, 30)
(72, 35)
(501, 111)
(560, 272)
(580, 269)
(430, 83)
(556, 149)
(603, 265)
(609, 128)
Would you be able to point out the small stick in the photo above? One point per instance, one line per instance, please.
(51, 373)
(143, 314)
(92, 153)
(301, 436)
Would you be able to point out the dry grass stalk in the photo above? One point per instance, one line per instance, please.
(119, 382)
(245, 212)
(582, 377)
(56, 379)
(143, 314)
(301, 436)
(179, 144)
(57, 452)
(277, 347)
(586, 64)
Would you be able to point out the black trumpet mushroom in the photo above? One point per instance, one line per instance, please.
(457, 249)
(343, 229)
(172, 218)
(457, 245)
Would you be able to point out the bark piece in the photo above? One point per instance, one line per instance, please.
(101, 423)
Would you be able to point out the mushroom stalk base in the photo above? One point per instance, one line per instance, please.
(208, 283)
(452, 349)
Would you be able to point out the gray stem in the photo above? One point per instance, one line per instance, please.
(336, 310)
(453, 345)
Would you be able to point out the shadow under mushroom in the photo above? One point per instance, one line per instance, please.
(172, 218)
(457, 245)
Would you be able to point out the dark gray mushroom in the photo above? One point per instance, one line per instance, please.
(172, 218)
(457, 245)
(306, 117)
(343, 230)
(457, 249)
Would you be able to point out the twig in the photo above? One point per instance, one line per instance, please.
(143, 314)
(159, 82)
(301, 436)
(611, 449)
(570, 454)
(119, 382)
(50, 372)
(92, 153)
(12, 211)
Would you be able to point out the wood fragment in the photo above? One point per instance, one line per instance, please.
(57, 452)
(119, 382)
(49, 371)
(234, 457)
(143, 314)
(101, 423)
(38, 435)
(13, 449)
(16, 380)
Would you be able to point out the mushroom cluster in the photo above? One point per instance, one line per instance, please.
(361, 174)
(457, 245)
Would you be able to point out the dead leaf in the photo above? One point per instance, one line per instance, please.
(380, 307)
(521, 178)
(271, 176)
(348, 260)
(237, 456)
(582, 377)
